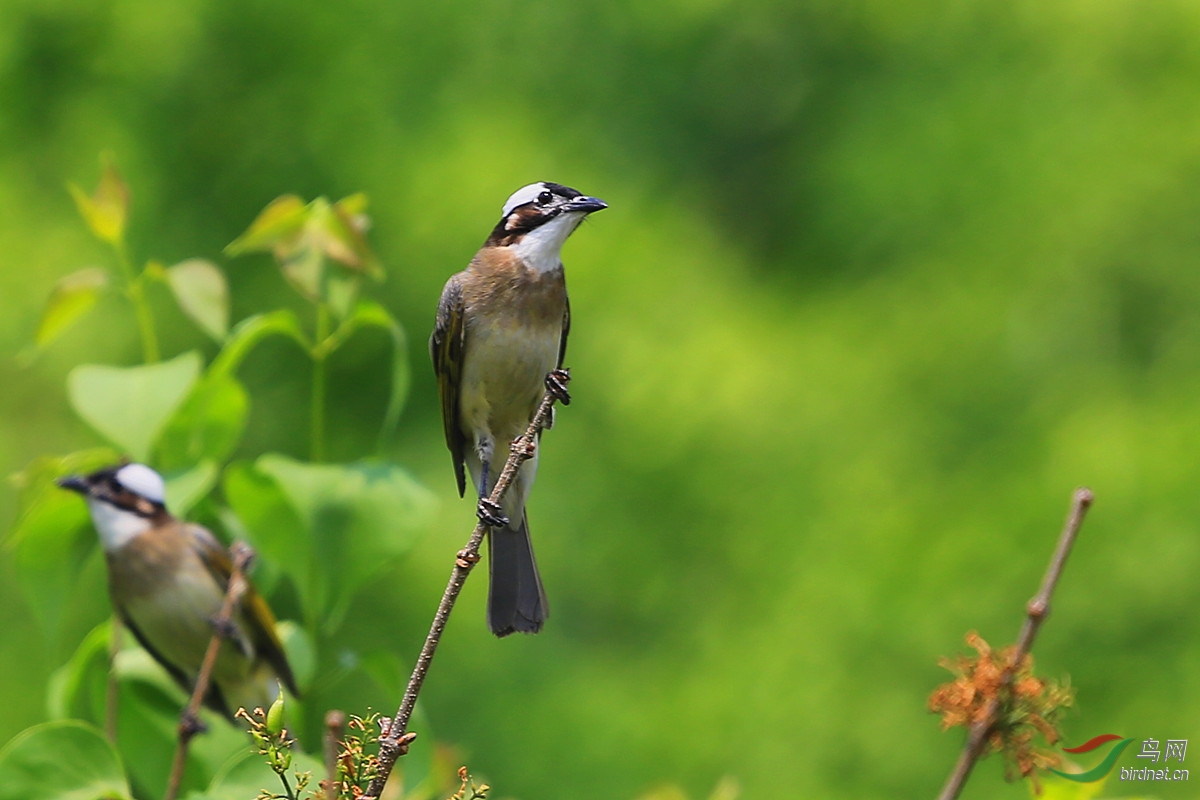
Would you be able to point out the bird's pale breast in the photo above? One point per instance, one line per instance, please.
(503, 376)
(514, 332)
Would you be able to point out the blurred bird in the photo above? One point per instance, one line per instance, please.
(167, 579)
(501, 328)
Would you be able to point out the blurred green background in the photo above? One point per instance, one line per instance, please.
(881, 283)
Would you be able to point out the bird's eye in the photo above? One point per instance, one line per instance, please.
(545, 198)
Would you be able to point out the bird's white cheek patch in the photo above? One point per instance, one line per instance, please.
(540, 248)
(116, 526)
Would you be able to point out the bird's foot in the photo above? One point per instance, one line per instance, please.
(556, 384)
(190, 725)
(491, 514)
(223, 627)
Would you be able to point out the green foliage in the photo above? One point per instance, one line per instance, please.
(129, 406)
(356, 521)
(106, 211)
(202, 293)
(71, 298)
(880, 284)
(330, 530)
(305, 238)
(247, 775)
(61, 761)
(50, 541)
(208, 426)
(1053, 788)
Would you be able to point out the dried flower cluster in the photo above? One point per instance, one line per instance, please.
(1024, 705)
(356, 767)
(476, 792)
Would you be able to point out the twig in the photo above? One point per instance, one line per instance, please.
(241, 554)
(1036, 612)
(396, 738)
(335, 729)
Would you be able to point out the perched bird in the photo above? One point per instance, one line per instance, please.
(167, 579)
(501, 328)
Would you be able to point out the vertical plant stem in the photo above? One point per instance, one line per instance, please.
(287, 787)
(111, 693)
(335, 732)
(137, 295)
(319, 354)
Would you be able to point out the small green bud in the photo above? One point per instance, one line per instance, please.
(275, 716)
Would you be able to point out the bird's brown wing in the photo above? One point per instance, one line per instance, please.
(446, 350)
(213, 698)
(566, 330)
(562, 353)
(256, 615)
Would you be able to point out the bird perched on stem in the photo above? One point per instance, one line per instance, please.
(167, 579)
(501, 332)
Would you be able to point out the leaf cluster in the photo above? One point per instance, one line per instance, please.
(324, 531)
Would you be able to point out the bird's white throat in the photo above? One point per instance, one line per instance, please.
(540, 248)
(116, 526)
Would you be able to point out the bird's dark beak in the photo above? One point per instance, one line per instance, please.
(73, 483)
(585, 204)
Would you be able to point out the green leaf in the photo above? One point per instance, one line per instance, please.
(371, 314)
(269, 522)
(66, 760)
(203, 294)
(185, 489)
(53, 536)
(208, 425)
(147, 725)
(303, 237)
(346, 242)
(276, 226)
(105, 211)
(356, 520)
(301, 651)
(77, 689)
(246, 774)
(304, 268)
(51, 552)
(70, 299)
(130, 405)
(252, 330)
(1056, 788)
(341, 292)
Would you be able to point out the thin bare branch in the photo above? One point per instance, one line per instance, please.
(1036, 612)
(335, 730)
(396, 737)
(241, 554)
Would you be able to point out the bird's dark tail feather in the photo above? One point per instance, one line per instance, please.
(516, 599)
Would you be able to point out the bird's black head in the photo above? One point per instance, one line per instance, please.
(130, 487)
(537, 204)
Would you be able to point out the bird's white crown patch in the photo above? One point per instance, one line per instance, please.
(526, 194)
(141, 480)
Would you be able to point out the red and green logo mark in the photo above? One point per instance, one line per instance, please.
(1104, 767)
